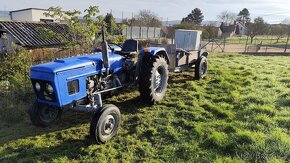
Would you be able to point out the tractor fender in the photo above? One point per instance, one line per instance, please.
(203, 53)
(155, 51)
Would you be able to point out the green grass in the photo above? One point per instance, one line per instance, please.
(239, 113)
(270, 40)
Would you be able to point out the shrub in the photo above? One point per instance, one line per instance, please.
(15, 86)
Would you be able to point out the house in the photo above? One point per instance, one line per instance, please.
(228, 30)
(31, 15)
(241, 29)
(29, 35)
(237, 28)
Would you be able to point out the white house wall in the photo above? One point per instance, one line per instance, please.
(22, 15)
(30, 15)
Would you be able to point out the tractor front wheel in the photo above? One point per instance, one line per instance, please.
(105, 123)
(43, 115)
(153, 79)
(201, 68)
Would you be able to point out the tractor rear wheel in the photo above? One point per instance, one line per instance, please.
(43, 115)
(105, 123)
(153, 79)
(201, 68)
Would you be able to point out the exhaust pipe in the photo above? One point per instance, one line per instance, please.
(105, 52)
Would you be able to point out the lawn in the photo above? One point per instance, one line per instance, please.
(265, 40)
(239, 113)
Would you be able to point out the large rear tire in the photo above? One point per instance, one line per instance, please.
(105, 124)
(43, 115)
(201, 68)
(153, 79)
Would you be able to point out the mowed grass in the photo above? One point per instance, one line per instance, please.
(239, 113)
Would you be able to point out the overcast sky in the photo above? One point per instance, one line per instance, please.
(273, 11)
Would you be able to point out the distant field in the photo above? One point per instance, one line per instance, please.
(265, 40)
(240, 112)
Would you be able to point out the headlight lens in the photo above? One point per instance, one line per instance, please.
(37, 87)
(49, 88)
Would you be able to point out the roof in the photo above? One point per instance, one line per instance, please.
(228, 29)
(27, 34)
(28, 9)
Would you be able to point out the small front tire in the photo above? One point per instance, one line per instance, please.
(105, 123)
(43, 115)
(201, 68)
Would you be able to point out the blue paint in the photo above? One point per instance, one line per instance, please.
(62, 71)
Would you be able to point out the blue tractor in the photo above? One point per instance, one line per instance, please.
(78, 83)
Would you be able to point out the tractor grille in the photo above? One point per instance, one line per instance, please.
(44, 94)
(73, 87)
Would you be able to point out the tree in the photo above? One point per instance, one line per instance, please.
(210, 31)
(279, 31)
(286, 21)
(259, 27)
(227, 17)
(244, 16)
(146, 18)
(78, 34)
(195, 17)
(110, 23)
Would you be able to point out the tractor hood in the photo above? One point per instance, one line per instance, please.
(74, 63)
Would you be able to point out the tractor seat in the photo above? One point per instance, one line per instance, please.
(129, 49)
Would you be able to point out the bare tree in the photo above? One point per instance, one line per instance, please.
(286, 21)
(257, 28)
(279, 31)
(146, 18)
(227, 17)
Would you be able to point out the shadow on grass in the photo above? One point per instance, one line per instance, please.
(70, 118)
(283, 101)
(71, 149)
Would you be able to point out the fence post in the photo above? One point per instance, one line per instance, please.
(223, 50)
(286, 43)
(140, 32)
(147, 32)
(246, 44)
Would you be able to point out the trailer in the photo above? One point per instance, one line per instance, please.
(185, 53)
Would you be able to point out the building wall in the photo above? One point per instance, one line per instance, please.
(30, 15)
(22, 15)
(37, 15)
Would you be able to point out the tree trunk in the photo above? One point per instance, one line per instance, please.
(252, 38)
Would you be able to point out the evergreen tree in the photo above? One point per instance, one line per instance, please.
(244, 16)
(195, 17)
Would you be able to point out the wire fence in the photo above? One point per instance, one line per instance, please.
(259, 44)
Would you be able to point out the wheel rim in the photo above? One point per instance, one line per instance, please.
(48, 114)
(109, 125)
(159, 80)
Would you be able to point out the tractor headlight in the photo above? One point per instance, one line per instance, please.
(37, 87)
(49, 88)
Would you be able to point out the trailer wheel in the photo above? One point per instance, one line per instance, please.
(105, 123)
(153, 79)
(43, 115)
(201, 68)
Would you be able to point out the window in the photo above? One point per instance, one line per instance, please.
(46, 20)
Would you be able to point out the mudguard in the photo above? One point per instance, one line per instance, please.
(153, 51)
